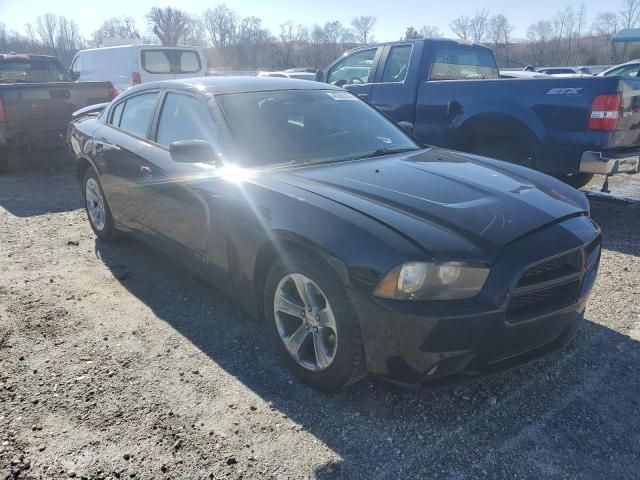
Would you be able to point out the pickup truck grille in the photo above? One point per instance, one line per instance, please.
(552, 284)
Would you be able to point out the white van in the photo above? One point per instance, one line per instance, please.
(128, 65)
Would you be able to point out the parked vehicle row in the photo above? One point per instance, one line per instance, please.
(37, 99)
(450, 94)
(364, 250)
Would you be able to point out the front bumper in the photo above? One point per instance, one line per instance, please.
(598, 162)
(432, 343)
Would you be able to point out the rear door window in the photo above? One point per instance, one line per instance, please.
(395, 69)
(170, 61)
(460, 62)
(137, 113)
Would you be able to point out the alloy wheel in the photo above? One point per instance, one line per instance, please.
(305, 322)
(95, 204)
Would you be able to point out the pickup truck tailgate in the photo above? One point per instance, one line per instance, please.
(627, 133)
(39, 113)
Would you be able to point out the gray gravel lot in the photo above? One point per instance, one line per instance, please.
(117, 363)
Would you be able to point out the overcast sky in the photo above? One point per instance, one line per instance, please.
(393, 16)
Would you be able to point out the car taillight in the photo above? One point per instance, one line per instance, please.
(113, 93)
(135, 78)
(3, 115)
(605, 112)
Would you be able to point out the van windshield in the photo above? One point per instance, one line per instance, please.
(171, 61)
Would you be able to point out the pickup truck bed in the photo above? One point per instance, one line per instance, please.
(450, 94)
(35, 114)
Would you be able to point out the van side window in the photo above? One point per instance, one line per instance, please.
(184, 117)
(397, 64)
(354, 69)
(137, 113)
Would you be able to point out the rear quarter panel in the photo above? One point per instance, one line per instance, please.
(553, 111)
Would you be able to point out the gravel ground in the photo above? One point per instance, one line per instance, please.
(116, 363)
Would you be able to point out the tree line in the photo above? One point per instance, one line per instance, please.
(233, 42)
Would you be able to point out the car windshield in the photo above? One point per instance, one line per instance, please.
(31, 71)
(302, 126)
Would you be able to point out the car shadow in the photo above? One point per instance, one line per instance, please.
(620, 224)
(40, 184)
(564, 415)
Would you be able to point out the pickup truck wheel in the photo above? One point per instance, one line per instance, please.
(5, 153)
(97, 208)
(315, 329)
(578, 180)
(508, 150)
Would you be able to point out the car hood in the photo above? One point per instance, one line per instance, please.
(486, 202)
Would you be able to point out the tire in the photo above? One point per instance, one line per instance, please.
(508, 150)
(578, 180)
(102, 225)
(5, 153)
(344, 360)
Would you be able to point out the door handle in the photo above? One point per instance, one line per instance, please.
(103, 147)
(145, 173)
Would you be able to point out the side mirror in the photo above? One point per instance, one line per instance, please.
(74, 75)
(406, 126)
(319, 75)
(192, 151)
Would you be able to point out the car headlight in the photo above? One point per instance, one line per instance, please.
(432, 281)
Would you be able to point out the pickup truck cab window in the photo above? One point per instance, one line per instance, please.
(137, 113)
(397, 65)
(459, 62)
(354, 69)
(184, 117)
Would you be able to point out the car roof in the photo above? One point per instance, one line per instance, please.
(224, 85)
(148, 46)
(26, 56)
(421, 40)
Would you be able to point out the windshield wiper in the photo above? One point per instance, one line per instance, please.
(389, 151)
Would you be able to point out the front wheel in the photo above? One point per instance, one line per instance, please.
(315, 328)
(98, 211)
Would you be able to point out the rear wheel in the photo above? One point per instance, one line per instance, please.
(516, 151)
(98, 211)
(315, 328)
(578, 180)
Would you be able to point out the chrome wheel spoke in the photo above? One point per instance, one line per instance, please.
(326, 318)
(322, 359)
(286, 305)
(301, 287)
(295, 341)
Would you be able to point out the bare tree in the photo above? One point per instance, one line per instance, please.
(540, 35)
(581, 16)
(429, 31)
(116, 27)
(363, 26)
(222, 26)
(461, 26)
(170, 25)
(479, 24)
(47, 29)
(499, 31)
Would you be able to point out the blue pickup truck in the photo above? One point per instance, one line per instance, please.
(450, 94)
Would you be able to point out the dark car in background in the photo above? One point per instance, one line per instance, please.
(37, 99)
(365, 251)
(449, 93)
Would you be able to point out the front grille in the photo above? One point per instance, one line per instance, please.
(538, 302)
(552, 284)
(550, 269)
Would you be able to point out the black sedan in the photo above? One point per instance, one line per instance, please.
(365, 251)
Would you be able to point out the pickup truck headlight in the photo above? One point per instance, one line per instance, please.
(432, 281)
